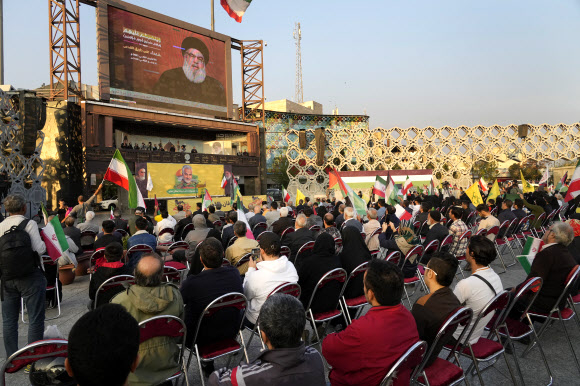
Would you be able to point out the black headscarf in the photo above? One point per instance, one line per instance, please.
(321, 211)
(324, 246)
(354, 249)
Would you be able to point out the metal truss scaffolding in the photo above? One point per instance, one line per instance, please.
(252, 80)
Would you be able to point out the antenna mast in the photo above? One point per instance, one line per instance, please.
(299, 93)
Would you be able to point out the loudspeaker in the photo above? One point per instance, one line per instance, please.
(32, 119)
(320, 145)
(523, 130)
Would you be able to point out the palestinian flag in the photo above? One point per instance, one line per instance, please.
(53, 236)
(562, 182)
(119, 174)
(224, 182)
(242, 218)
(574, 187)
(406, 186)
(236, 8)
(358, 203)
(207, 201)
(380, 187)
(391, 192)
(285, 196)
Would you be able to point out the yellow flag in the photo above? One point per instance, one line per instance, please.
(494, 192)
(299, 196)
(526, 186)
(474, 195)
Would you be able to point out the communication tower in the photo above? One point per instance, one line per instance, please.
(299, 93)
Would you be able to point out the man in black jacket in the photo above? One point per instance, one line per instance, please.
(506, 213)
(119, 222)
(178, 229)
(113, 267)
(435, 231)
(298, 238)
(282, 223)
(71, 231)
(422, 216)
(519, 211)
(228, 229)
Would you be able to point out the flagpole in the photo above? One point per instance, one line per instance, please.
(212, 18)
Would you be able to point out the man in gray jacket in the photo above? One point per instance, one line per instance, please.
(287, 361)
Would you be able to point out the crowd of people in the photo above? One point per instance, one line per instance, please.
(170, 147)
(253, 256)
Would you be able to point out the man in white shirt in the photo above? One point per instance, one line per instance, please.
(272, 215)
(476, 290)
(265, 274)
(30, 287)
(487, 220)
(166, 222)
(250, 213)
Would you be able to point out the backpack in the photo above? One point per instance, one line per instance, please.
(17, 258)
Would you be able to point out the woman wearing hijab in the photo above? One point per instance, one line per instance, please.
(354, 253)
(322, 260)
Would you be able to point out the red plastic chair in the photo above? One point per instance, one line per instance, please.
(141, 248)
(176, 246)
(31, 353)
(166, 326)
(171, 275)
(217, 224)
(441, 371)
(412, 256)
(232, 241)
(356, 303)
(338, 245)
(485, 349)
(374, 233)
(338, 275)
(259, 228)
(465, 235)
(430, 248)
(225, 263)
(512, 329)
(260, 235)
(443, 221)
(50, 286)
(97, 259)
(446, 243)
(164, 231)
(122, 232)
(113, 286)
(286, 231)
(537, 229)
(285, 251)
(405, 365)
(305, 250)
(363, 235)
(481, 232)
(315, 228)
(562, 314)
(186, 229)
(88, 234)
(245, 258)
(228, 346)
(394, 257)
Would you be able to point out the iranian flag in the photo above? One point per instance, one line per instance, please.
(112, 217)
(482, 184)
(224, 182)
(285, 196)
(406, 186)
(53, 236)
(562, 181)
(236, 8)
(358, 203)
(391, 191)
(207, 201)
(242, 218)
(544, 180)
(119, 174)
(401, 213)
(574, 187)
(380, 187)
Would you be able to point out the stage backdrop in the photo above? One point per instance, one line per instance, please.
(191, 204)
(182, 180)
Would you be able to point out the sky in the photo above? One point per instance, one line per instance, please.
(405, 63)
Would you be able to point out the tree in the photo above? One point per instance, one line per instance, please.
(529, 168)
(279, 173)
(487, 170)
(514, 171)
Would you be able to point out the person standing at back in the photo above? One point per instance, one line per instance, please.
(22, 275)
(80, 210)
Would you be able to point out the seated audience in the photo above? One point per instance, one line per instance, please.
(240, 247)
(141, 236)
(218, 210)
(113, 266)
(73, 232)
(299, 237)
(90, 225)
(536, 206)
(479, 288)
(457, 228)
(200, 290)
(272, 215)
(119, 222)
(371, 226)
(487, 220)
(228, 229)
(287, 361)
(350, 219)
(363, 353)
(283, 222)
(312, 219)
(519, 211)
(311, 270)
(108, 236)
(265, 274)
(250, 213)
(432, 310)
(553, 264)
(422, 216)
(149, 297)
(390, 224)
(180, 215)
(212, 217)
(468, 208)
(257, 217)
(435, 231)
(167, 221)
(181, 225)
(330, 228)
(91, 361)
(339, 219)
(354, 253)
(574, 246)
(506, 213)
(197, 235)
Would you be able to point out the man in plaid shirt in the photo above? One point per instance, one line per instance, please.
(456, 229)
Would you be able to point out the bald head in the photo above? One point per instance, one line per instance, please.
(257, 209)
(149, 270)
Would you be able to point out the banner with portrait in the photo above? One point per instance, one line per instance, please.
(166, 180)
(191, 203)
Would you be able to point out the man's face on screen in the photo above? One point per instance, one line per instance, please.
(187, 175)
(142, 174)
(194, 65)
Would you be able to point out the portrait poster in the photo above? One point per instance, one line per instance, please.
(185, 180)
(226, 202)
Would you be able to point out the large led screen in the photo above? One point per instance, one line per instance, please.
(154, 63)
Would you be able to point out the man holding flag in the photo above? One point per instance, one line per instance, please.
(29, 282)
(562, 182)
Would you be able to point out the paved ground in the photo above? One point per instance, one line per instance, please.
(554, 342)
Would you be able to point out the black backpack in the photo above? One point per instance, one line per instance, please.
(17, 258)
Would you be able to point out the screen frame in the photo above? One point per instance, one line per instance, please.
(103, 54)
